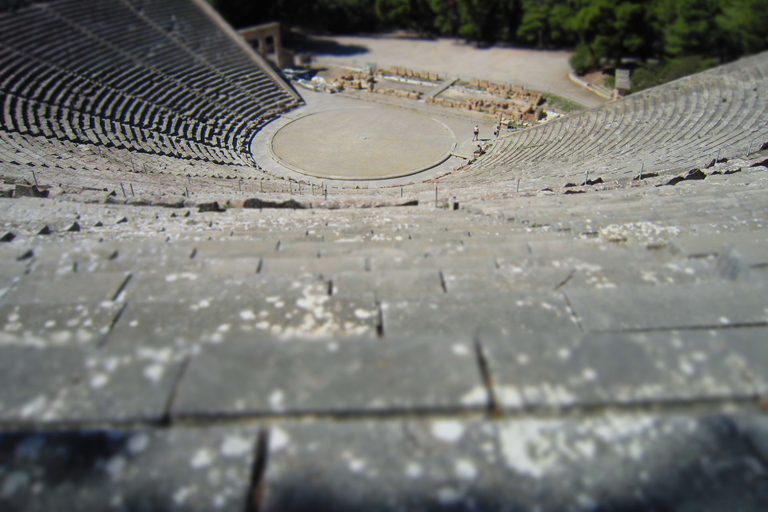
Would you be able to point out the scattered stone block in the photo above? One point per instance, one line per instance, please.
(266, 203)
(209, 207)
(29, 191)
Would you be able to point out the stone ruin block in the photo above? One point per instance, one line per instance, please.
(484, 84)
(433, 77)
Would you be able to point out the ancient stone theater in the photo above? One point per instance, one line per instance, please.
(219, 291)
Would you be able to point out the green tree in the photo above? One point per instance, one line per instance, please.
(545, 23)
(447, 16)
(413, 14)
(744, 26)
(692, 29)
(612, 29)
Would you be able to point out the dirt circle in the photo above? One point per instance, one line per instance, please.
(365, 143)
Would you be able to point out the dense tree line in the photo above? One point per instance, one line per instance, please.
(602, 31)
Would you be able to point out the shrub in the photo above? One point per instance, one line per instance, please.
(583, 61)
(660, 73)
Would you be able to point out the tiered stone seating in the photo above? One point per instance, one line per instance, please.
(282, 350)
(112, 69)
(676, 125)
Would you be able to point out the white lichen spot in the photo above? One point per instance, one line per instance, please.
(356, 465)
(133, 323)
(586, 447)
(202, 458)
(724, 320)
(235, 446)
(448, 495)
(138, 443)
(115, 466)
(263, 325)
(465, 469)
(154, 372)
(585, 501)
(34, 408)
(219, 501)
(60, 337)
(276, 400)
(99, 380)
(525, 449)
(478, 396)
(564, 353)
(588, 374)
(49, 324)
(363, 314)
(13, 483)
(278, 439)
(247, 315)
(83, 336)
(181, 495)
(509, 396)
(448, 430)
(414, 470)
(460, 349)
(686, 367)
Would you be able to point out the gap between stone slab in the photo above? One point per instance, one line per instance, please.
(258, 471)
(713, 327)
(695, 407)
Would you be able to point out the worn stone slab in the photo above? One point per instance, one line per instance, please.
(246, 376)
(56, 324)
(309, 314)
(547, 370)
(429, 261)
(79, 287)
(145, 469)
(642, 273)
(606, 462)
(321, 267)
(749, 350)
(390, 284)
(506, 279)
(204, 284)
(670, 307)
(126, 380)
(754, 252)
(449, 314)
(33, 379)
(68, 257)
(252, 248)
(696, 246)
(236, 266)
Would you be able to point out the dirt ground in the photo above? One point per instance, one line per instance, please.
(545, 71)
